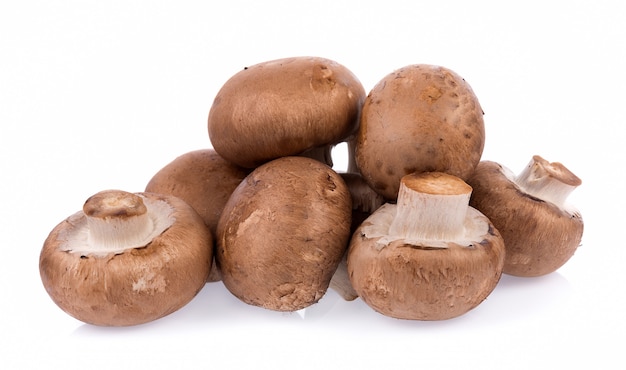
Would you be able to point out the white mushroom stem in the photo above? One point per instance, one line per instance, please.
(431, 206)
(551, 182)
(117, 220)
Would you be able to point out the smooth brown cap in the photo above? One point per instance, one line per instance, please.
(284, 107)
(203, 179)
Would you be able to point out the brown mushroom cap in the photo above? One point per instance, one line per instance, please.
(284, 107)
(540, 235)
(420, 118)
(425, 278)
(130, 280)
(283, 232)
(205, 181)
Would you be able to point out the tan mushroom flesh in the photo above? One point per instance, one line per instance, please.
(283, 232)
(428, 257)
(420, 118)
(126, 258)
(283, 108)
(540, 229)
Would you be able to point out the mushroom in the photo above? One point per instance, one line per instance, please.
(541, 230)
(364, 202)
(126, 258)
(204, 180)
(283, 232)
(420, 118)
(428, 257)
(284, 107)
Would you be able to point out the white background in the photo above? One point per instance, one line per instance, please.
(102, 94)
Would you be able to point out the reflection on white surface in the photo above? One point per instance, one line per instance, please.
(214, 308)
(338, 334)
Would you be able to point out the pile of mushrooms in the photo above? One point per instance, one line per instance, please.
(417, 226)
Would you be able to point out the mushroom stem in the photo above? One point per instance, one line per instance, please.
(431, 206)
(551, 182)
(118, 220)
(352, 166)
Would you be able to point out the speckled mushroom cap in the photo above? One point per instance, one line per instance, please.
(283, 232)
(540, 235)
(420, 118)
(284, 107)
(109, 283)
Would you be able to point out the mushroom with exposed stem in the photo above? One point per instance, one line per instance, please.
(205, 181)
(428, 257)
(126, 258)
(541, 230)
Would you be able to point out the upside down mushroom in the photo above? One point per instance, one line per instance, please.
(541, 230)
(428, 257)
(126, 258)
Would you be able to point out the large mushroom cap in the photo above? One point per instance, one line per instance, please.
(284, 107)
(541, 232)
(445, 263)
(126, 259)
(420, 118)
(283, 232)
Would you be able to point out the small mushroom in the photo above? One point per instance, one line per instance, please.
(205, 181)
(428, 257)
(126, 258)
(541, 230)
(283, 232)
(284, 107)
(420, 118)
